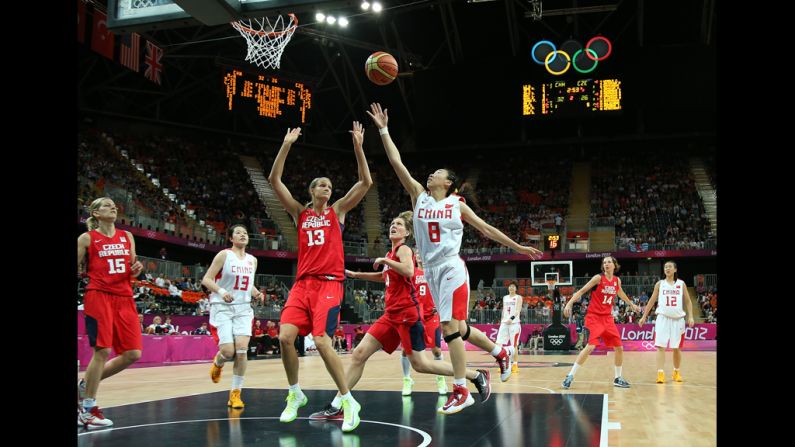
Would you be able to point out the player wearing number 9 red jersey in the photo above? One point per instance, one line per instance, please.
(314, 301)
(439, 217)
(599, 318)
(111, 317)
(230, 280)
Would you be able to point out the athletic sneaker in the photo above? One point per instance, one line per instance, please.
(515, 368)
(660, 377)
(441, 385)
(483, 384)
(620, 382)
(293, 404)
(215, 372)
(407, 383)
(459, 400)
(677, 377)
(350, 410)
(567, 381)
(94, 419)
(234, 399)
(504, 361)
(328, 413)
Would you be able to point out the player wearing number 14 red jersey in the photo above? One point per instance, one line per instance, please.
(599, 318)
(111, 317)
(313, 305)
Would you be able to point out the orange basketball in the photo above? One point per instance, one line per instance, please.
(381, 68)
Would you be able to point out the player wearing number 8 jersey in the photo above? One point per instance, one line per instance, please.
(439, 217)
(669, 327)
(599, 318)
(313, 305)
(230, 280)
(110, 314)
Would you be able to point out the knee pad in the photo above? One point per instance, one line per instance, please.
(451, 337)
(465, 336)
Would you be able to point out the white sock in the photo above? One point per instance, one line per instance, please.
(496, 351)
(406, 364)
(662, 371)
(337, 402)
(618, 372)
(675, 369)
(347, 396)
(237, 382)
(89, 403)
(297, 390)
(460, 382)
(441, 357)
(574, 369)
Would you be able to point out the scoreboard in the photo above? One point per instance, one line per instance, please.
(571, 97)
(267, 96)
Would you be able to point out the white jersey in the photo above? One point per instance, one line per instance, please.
(669, 300)
(237, 277)
(511, 305)
(438, 228)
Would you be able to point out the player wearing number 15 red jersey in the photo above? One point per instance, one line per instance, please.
(230, 280)
(111, 317)
(599, 318)
(313, 305)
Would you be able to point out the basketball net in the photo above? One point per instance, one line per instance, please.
(551, 285)
(266, 39)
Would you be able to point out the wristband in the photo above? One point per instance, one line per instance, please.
(221, 292)
(383, 131)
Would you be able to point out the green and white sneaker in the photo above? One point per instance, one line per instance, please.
(408, 382)
(441, 385)
(351, 420)
(293, 404)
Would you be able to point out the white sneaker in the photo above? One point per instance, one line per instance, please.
(94, 419)
(293, 404)
(350, 409)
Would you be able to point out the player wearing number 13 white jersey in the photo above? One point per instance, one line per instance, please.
(230, 280)
(439, 217)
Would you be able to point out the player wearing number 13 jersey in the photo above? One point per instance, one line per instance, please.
(230, 280)
(439, 217)
(110, 314)
(599, 319)
(313, 305)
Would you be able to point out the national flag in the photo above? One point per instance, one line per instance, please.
(129, 51)
(152, 61)
(101, 38)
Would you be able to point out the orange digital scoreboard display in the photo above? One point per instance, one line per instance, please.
(267, 96)
(571, 97)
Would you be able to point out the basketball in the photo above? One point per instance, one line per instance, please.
(381, 68)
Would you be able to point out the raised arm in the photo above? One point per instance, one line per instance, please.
(577, 295)
(650, 304)
(359, 189)
(380, 118)
(292, 206)
(496, 235)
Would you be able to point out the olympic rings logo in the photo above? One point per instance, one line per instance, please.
(647, 345)
(555, 341)
(572, 54)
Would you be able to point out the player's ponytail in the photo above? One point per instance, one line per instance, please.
(453, 177)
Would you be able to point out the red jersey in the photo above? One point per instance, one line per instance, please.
(399, 298)
(320, 251)
(109, 263)
(273, 332)
(339, 333)
(424, 295)
(603, 296)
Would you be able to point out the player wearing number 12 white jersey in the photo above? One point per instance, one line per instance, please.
(669, 327)
(439, 217)
(230, 280)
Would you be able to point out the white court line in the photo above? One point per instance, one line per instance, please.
(614, 425)
(646, 384)
(426, 438)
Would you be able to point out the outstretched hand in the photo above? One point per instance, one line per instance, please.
(292, 135)
(357, 134)
(380, 117)
(532, 252)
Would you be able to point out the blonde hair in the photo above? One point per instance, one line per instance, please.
(92, 222)
(406, 216)
(312, 185)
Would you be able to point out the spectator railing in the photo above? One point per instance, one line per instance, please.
(493, 316)
(169, 269)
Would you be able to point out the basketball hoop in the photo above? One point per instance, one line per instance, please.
(551, 284)
(266, 39)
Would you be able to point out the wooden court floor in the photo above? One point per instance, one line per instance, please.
(647, 414)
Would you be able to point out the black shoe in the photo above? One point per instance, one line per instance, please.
(483, 384)
(328, 413)
(620, 382)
